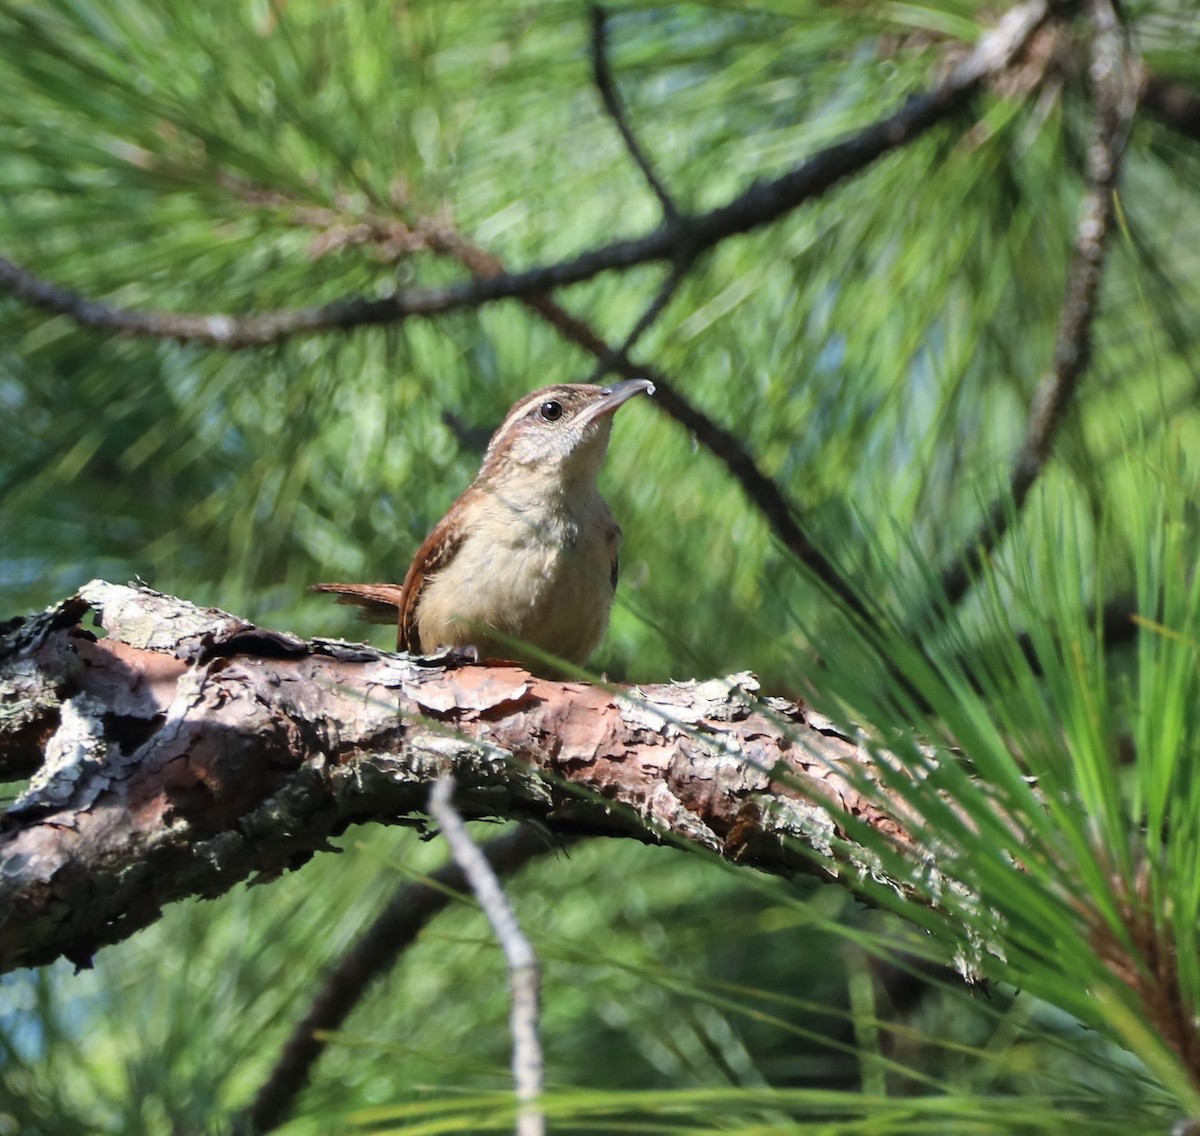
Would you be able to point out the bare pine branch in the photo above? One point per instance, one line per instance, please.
(646, 320)
(609, 95)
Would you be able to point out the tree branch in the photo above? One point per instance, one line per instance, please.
(1114, 99)
(373, 955)
(759, 205)
(1174, 104)
(187, 750)
(646, 320)
(611, 98)
(764, 493)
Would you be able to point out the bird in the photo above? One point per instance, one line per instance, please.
(525, 562)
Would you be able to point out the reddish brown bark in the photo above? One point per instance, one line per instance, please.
(186, 750)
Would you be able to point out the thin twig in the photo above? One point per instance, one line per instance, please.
(656, 307)
(1114, 104)
(373, 955)
(1174, 104)
(759, 205)
(764, 493)
(603, 78)
(524, 973)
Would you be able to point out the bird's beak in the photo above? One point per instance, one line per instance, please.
(611, 397)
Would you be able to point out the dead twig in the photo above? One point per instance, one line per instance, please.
(654, 309)
(524, 972)
(603, 78)
(407, 913)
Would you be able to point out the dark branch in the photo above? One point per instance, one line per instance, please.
(764, 493)
(1174, 104)
(759, 205)
(761, 490)
(396, 928)
(605, 84)
(654, 309)
(1114, 104)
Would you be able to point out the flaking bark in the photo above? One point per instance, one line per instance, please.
(181, 750)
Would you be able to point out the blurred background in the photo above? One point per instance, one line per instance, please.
(876, 352)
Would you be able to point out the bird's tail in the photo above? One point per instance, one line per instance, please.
(380, 603)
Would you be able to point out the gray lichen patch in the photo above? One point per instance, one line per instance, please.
(162, 626)
(79, 742)
(812, 826)
(670, 710)
(29, 704)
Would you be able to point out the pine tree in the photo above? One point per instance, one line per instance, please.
(921, 455)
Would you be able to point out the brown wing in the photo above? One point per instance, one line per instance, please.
(379, 602)
(435, 553)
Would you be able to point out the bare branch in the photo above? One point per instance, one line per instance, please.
(1114, 101)
(758, 487)
(610, 96)
(524, 972)
(408, 911)
(1174, 104)
(759, 205)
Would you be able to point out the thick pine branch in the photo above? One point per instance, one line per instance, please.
(187, 750)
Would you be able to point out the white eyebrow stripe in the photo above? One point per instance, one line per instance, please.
(567, 393)
(524, 405)
(514, 415)
(563, 393)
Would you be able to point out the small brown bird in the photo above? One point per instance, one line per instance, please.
(529, 551)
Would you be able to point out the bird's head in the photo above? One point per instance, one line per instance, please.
(560, 431)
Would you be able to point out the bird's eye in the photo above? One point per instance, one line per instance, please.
(551, 411)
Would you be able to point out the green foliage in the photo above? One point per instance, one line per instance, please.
(1093, 858)
(875, 351)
